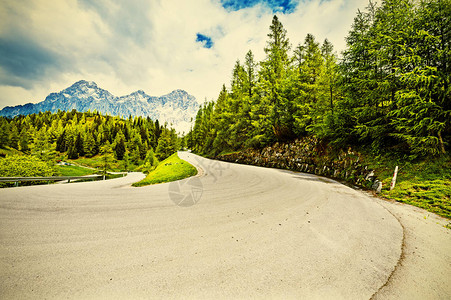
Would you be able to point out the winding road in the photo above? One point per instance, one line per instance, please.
(252, 233)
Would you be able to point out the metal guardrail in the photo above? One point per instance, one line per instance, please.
(51, 178)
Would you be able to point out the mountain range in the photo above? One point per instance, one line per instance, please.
(176, 108)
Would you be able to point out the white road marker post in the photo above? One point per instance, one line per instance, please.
(393, 181)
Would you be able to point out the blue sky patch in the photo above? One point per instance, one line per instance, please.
(205, 40)
(283, 6)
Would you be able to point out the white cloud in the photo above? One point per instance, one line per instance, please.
(151, 45)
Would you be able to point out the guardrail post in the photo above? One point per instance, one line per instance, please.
(16, 183)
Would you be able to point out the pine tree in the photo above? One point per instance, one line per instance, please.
(423, 107)
(150, 162)
(89, 144)
(72, 151)
(126, 161)
(207, 130)
(107, 158)
(24, 140)
(250, 77)
(41, 144)
(119, 146)
(305, 85)
(359, 67)
(61, 142)
(327, 93)
(79, 147)
(14, 137)
(157, 132)
(4, 133)
(197, 134)
(277, 48)
(165, 146)
(135, 156)
(329, 75)
(70, 139)
(273, 74)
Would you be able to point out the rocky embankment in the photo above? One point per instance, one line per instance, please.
(311, 156)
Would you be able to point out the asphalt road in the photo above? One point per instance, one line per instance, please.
(251, 233)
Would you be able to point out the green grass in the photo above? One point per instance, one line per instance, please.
(425, 184)
(73, 171)
(170, 169)
(96, 162)
(9, 151)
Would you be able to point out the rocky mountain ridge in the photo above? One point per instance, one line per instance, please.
(176, 108)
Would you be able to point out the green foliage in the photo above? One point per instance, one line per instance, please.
(274, 100)
(150, 162)
(89, 145)
(14, 138)
(422, 117)
(97, 163)
(119, 146)
(126, 162)
(4, 133)
(82, 135)
(24, 166)
(396, 77)
(425, 184)
(167, 144)
(9, 151)
(273, 74)
(171, 169)
(24, 140)
(107, 157)
(390, 92)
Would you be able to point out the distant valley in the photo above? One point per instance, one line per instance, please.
(176, 108)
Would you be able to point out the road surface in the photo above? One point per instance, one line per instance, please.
(254, 232)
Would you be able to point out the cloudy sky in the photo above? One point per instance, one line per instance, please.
(153, 45)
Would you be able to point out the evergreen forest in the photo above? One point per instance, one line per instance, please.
(70, 135)
(387, 92)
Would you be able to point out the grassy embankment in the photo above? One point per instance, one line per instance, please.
(425, 184)
(81, 171)
(171, 169)
(72, 171)
(96, 162)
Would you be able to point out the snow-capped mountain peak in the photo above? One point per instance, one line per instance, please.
(176, 108)
(139, 95)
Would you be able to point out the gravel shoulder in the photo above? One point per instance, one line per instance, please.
(424, 270)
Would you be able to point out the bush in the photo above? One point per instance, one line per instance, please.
(150, 162)
(23, 166)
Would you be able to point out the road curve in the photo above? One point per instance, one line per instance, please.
(255, 232)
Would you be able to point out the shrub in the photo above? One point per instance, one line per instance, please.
(24, 166)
